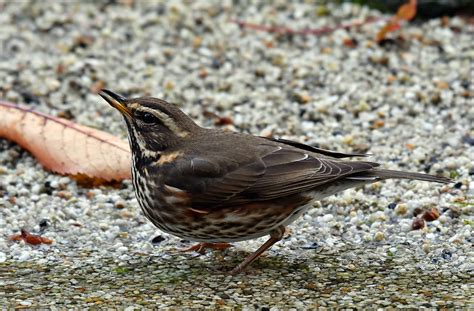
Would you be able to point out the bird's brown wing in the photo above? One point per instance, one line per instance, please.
(290, 171)
(276, 171)
(317, 150)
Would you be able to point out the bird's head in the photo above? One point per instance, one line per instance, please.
(153, 124)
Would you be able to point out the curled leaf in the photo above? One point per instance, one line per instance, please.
(29, 238)
(65, 147)
(389, 27)
(405, 12)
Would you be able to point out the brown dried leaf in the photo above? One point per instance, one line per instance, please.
(64, 146)
(407, 11)
(389, 27)
(29, 238)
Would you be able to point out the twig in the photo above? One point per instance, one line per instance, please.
(308, 31)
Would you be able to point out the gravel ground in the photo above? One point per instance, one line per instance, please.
(409, 102)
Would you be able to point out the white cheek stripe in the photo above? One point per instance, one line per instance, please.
(145, 152)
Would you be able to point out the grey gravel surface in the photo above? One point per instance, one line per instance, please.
(408, 102)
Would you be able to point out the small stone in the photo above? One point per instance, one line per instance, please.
(223, 295)
(104, 226)
(122, 249)
(401, 209)
(120, 204)
(169, 85)
(247, 291)
(197, 41)
(123, 234)
(64, 194)
(97, 86)
(157, 239)
(442, 85)
(25, 303)
(25, 255)
(327, 218)
(446, 254)
(302, 98)
(417, 211)
(426, 247)
(418, 224)
(43, 224)
(379, 236)
(392, 205)
(431, 214)
(363, 106)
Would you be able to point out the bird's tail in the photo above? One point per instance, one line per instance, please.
(387, 174)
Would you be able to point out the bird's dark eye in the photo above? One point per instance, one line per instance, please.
(148, 118)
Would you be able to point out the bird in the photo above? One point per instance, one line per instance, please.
(216, 187)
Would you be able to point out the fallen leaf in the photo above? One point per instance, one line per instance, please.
(30, 238)
(389, 27)
(407, 11)
(65, 147)
(303, 32)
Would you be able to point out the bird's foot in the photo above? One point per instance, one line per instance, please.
(202, 247)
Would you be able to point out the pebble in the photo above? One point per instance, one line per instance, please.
(120, 204)
(379, 236)
(401, 209)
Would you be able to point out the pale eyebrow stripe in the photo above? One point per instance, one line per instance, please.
(166, 119)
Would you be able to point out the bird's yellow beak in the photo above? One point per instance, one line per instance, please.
(115, 100)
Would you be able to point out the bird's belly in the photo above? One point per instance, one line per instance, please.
(170, 211)
(224, 224)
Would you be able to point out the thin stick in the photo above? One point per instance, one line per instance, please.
(305, 32)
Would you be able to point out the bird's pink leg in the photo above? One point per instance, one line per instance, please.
(201, 247)
(275, 236)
